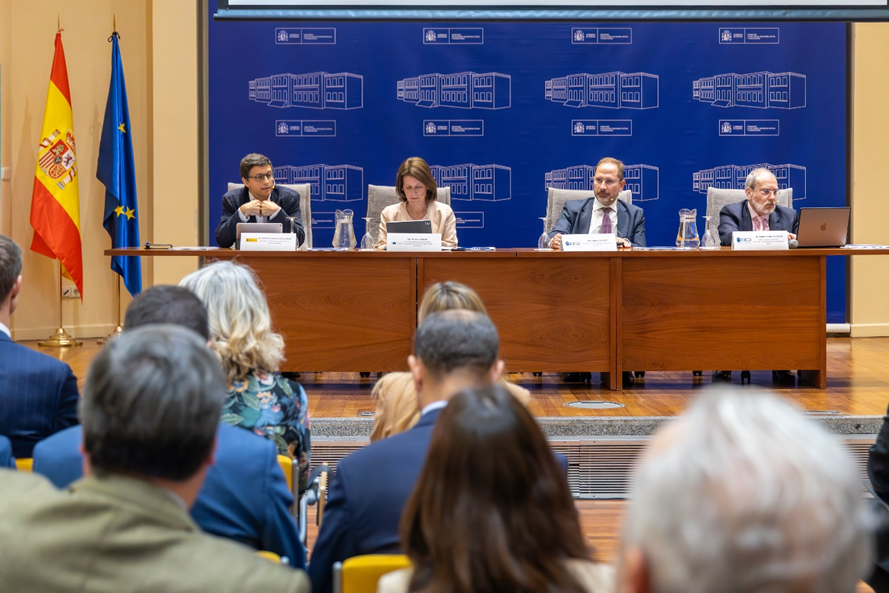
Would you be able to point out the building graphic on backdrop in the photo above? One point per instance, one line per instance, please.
(760, 90)
(486, 183)
(329, 183)
(734, 176)
(642, 180)
(315, 90)
(612, 90)
(463, 90)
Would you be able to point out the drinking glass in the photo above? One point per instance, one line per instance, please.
(543, 240)
(367, 242)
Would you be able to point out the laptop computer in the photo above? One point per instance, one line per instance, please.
(409, 226)
(823, 227)
(256, 227)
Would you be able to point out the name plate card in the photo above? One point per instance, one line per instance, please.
(413, 242)
(599, 242)
(268, 242)
(760, 240)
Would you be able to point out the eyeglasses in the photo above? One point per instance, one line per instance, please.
(605, 182)
(766, 192)
(262, 177)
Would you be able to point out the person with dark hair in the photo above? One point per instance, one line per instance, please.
(453, 350)
(150, 412)
(38, 394)
(417, 200)
(245, 497)
(603, 213)
(260, 200)
(483, 523)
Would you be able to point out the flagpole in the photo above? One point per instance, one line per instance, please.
(117, 330)
(60, 339)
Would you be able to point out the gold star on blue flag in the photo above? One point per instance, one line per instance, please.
(116, 170)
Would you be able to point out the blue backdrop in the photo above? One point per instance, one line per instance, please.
(503, 110)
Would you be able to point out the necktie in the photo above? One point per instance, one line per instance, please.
(606, 221)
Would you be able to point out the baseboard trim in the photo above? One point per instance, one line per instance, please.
(870, 330)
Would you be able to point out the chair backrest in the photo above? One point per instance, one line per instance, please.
(380, 196)
(719, 197)
(286, 464)
(305, 207)
(360, 574)
(556, 198)
(25, 465)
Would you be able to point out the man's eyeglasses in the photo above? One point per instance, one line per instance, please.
(263, 177)
(605, 182)
(766, 192)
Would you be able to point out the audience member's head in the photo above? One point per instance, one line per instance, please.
(453, 350)
(10, 271)
(240, 322)
(168, 304)
(743, 494)
(444, 296)
(491, 510)
(151, 405)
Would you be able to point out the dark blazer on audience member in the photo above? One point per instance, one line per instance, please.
(6, 458)
(244, 497)
(736, 217)
(576, 216)
(38, 396)
(878, 472)
(366, 498)
(284, 197)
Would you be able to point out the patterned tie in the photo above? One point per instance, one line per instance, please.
(606, 221)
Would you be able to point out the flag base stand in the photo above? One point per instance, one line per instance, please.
(117, 331)
(60, 339)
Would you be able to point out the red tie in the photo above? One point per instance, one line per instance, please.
(606, 221)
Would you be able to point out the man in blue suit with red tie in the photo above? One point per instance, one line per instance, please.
(38, 394)
(453, 350)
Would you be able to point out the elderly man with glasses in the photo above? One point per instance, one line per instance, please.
(760, 211)
(260, 200)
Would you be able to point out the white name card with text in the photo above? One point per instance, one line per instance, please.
(268, 242)
(600, 242)
(413, 242)
(760, 240)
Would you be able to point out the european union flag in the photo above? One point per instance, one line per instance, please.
(117, 172)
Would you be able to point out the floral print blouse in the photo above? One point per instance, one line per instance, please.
(275, 408)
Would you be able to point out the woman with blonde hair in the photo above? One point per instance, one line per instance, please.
(417, 200)
(259, 397)
(491, 510)
(397, 409)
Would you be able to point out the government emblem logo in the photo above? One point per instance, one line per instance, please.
(57, 159)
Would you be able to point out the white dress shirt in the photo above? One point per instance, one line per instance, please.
(599, 214)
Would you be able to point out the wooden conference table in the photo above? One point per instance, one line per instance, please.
(607, 312)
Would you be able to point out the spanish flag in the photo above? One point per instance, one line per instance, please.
(55, 203)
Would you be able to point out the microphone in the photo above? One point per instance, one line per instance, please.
(793, 243)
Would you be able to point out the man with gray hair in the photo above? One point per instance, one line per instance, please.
(743, 494)
(150, 412)
(453, 350)
(760, 211)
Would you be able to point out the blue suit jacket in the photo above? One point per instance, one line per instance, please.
(244, 498)
(576, 216)
(286, 198)
(366, 498)
(736, 217)
(38, 396)
(6, 458)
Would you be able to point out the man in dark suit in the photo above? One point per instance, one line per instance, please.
(878, 472)
(150, 410)
(604, 213)
(760, 211)
(245, 496)
(38, 394)
(6, 458)
(452, 350)
(260, 200)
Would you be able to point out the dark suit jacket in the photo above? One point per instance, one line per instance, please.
(736, 217)
(38, 396)
(286, 198)
(6, 458)
(576, 216)
(367, 496)
(244, 497)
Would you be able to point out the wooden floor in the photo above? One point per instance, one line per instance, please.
(858, 384)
